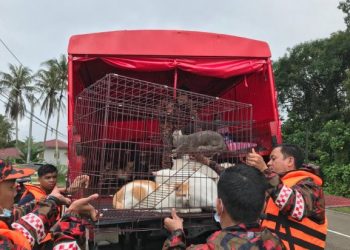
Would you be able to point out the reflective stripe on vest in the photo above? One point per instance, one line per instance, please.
(16, 237)
(304, 234)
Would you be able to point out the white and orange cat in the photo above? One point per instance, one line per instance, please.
(170, 189)
(185, 163)
(201, 191)
(132, 193)
(144, 194)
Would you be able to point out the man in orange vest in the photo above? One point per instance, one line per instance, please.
(8, 176)
(47, 177)
(22, 228)
(237, 212)
(295, 209)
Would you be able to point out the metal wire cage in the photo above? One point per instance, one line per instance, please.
(125, 131)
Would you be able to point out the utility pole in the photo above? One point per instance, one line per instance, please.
(30, 129)
(57, 153)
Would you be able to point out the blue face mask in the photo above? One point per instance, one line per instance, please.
(6, 216)
(6, 213)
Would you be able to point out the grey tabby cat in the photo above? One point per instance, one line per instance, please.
(202, 142)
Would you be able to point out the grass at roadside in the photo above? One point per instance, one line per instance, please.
(342, 209)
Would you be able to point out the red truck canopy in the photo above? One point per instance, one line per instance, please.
(167, 43)
(226, 66)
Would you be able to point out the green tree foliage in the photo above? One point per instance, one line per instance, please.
(6, 130)
(310, 78)
(36, 151)
(333, 141)
(345, 7)
(313, 83)
(346, 83)
(18, 85)
(60, 67)
(337, 178)
(48, 82)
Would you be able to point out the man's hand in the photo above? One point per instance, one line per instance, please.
(174, 223)
(256, 160)
(84, 208)
(81, 181)
(57, 194)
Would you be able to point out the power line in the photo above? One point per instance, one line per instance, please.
(43, 124)
(8, 98)
(61, 135)
(34, 116)
(8, 49)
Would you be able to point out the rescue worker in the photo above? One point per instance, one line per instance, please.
(241, 197)
(24, 227)
(47, 177)
(295, 209)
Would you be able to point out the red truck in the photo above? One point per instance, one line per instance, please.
(206, 66)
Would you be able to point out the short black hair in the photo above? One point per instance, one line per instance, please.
(46, 169)
(242, 191)
(293, 150)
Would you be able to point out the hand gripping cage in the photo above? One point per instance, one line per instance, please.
(123, 132)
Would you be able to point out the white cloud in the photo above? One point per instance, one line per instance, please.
(39, 30)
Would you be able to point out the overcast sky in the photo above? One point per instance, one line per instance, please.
(39, 30)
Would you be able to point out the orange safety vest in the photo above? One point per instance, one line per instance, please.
(38, 193)
(304, 234)
(15, 236)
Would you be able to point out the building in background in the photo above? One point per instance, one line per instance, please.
(50, 154)
(10, 153)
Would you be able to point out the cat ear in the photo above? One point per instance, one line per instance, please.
(154, 173)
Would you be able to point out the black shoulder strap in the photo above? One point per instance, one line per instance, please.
(287, 224)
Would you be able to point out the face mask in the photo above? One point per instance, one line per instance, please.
(217, 217)
(6, 216)
(6, 213)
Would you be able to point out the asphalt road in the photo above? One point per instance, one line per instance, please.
(338, 235)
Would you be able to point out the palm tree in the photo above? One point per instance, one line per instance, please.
(6, 130)
(58, 68)
(18, 83)
(48, 82)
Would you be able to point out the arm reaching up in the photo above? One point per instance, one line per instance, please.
(256, 160)
(69, 233)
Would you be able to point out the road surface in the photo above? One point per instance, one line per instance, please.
(338, 235)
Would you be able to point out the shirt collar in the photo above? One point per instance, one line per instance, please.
(254, 226)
